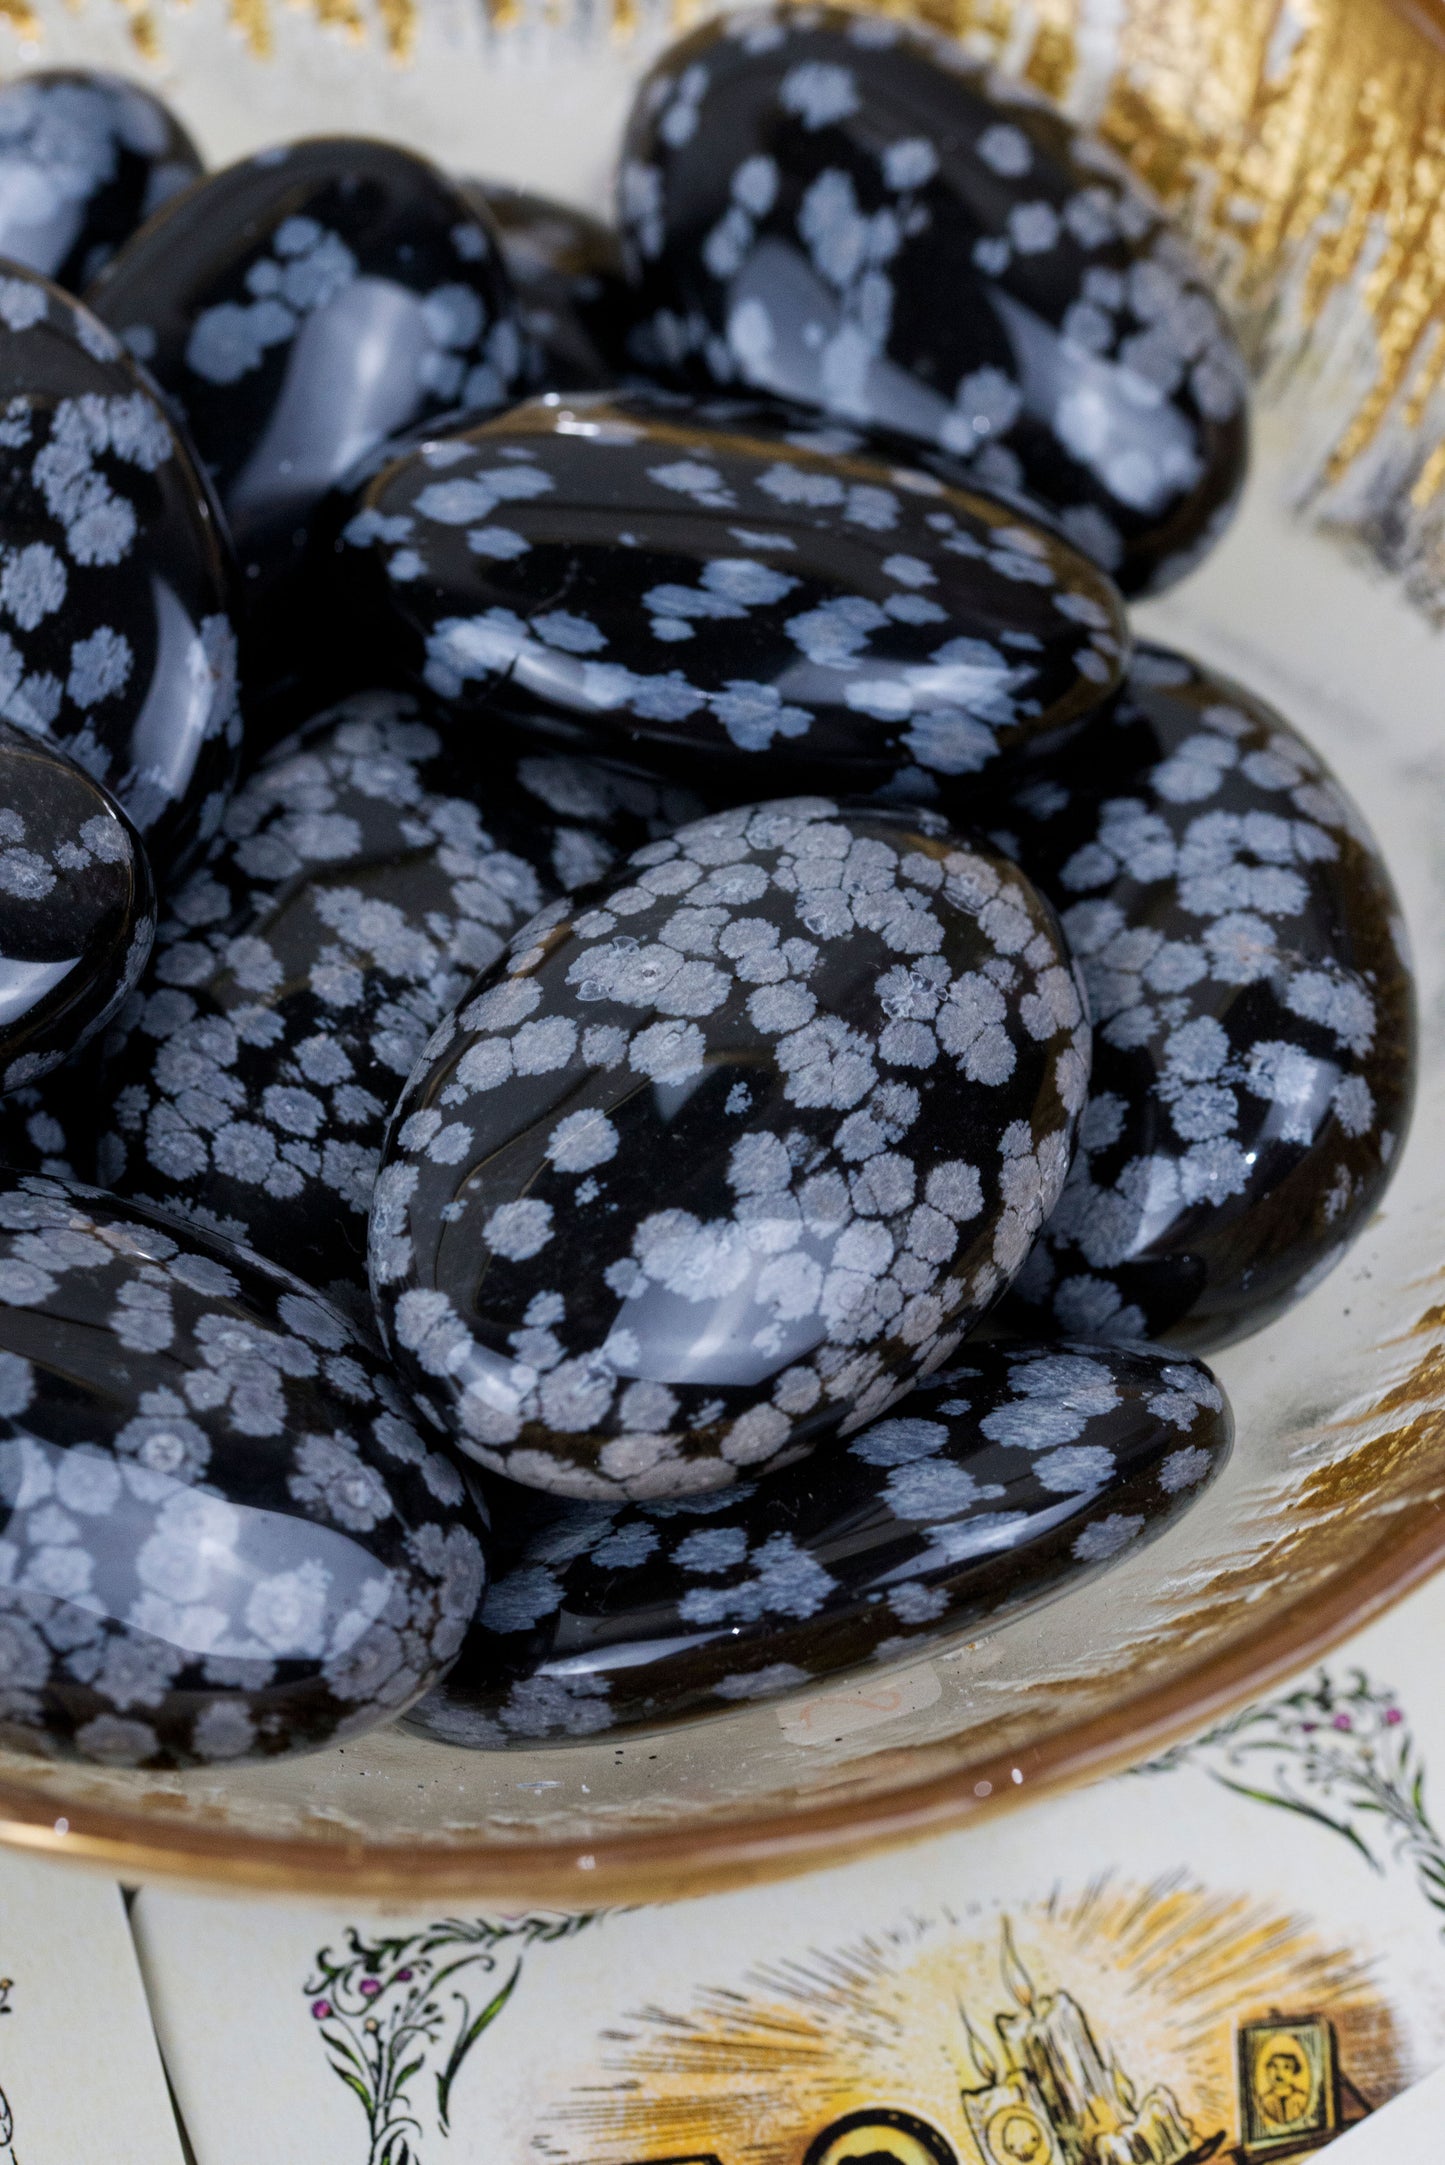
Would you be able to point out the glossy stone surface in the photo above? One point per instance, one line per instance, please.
(223, 1537)
(851, 213)
(699, 584)
(731, 1154)
(1014, 1476)
(363, 877)
(85, 158)
(1253, 1012)
(300, 308)
(115, 642)
(573, 300)
(77, 907)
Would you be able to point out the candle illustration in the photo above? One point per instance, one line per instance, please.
(1007, 2116)
(1049, 2035)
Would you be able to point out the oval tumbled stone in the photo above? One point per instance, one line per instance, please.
(77, 907)
(299, 308)
(728, 1156)
(1254, 1029)
(363, 877)
(854, 214)
(85, 158)
(222, 1536)
(1012, 1478)
(712, 588)
(115, 638)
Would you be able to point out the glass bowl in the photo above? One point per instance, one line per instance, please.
(1295, 146)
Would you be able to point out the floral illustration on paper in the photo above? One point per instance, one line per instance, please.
(1340, 1752)
(399, 2016)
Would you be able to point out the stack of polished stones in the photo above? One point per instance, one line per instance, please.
(639, 1047)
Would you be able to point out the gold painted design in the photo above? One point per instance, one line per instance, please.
(1120, 2025)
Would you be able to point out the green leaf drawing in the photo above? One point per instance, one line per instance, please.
(1338, 1751)
(380, 2010)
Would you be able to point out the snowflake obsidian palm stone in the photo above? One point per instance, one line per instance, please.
(1252, 1005)
(573, 300)
(85, 158)
(222, 1536)
(730, 1155)
(1010, 1479)
(77, 907)
(115, 643)
(849, 213)
(301, 307)
(361, 881)
(704, 584)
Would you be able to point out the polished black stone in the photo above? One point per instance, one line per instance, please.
(363, 877)
(300, 308)
(731, 1153)
(1254, 1040)
(851, 213)
(85, 158)
(573, 300)
(1015, 1476)
(702, 585)
(77, 907)
(223, 1538)
(115, 642)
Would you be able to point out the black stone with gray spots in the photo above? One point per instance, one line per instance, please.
(222, 1535)
(77, 907)
(726, 1157)
(847, 212)
(300, 308)
(115, 641)
(705, 585)
(362, 879)
(573, 300)
(1010, 1479)
(85, 158)
(1254, 1039)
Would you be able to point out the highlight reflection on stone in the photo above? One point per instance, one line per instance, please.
(727, 1155)
(85, 158)
(1009, 1479)
(224, 1538)
(301, 307)
(364, 876)
(115, 638)
(1254, 1033)
(853, 214)
(77, 907)
(707, 586)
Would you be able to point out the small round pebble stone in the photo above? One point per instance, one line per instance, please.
(573, 300)
(115, 638)
(854, 214)
(729, 1155)
(700, 583)
(77, 907)
(301, 307)
(223, 1536)
(1254, 1031)
(1010, 1479)
(85, 158)
(362, 879)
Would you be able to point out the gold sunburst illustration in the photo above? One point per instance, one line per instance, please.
(1089, 2026)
